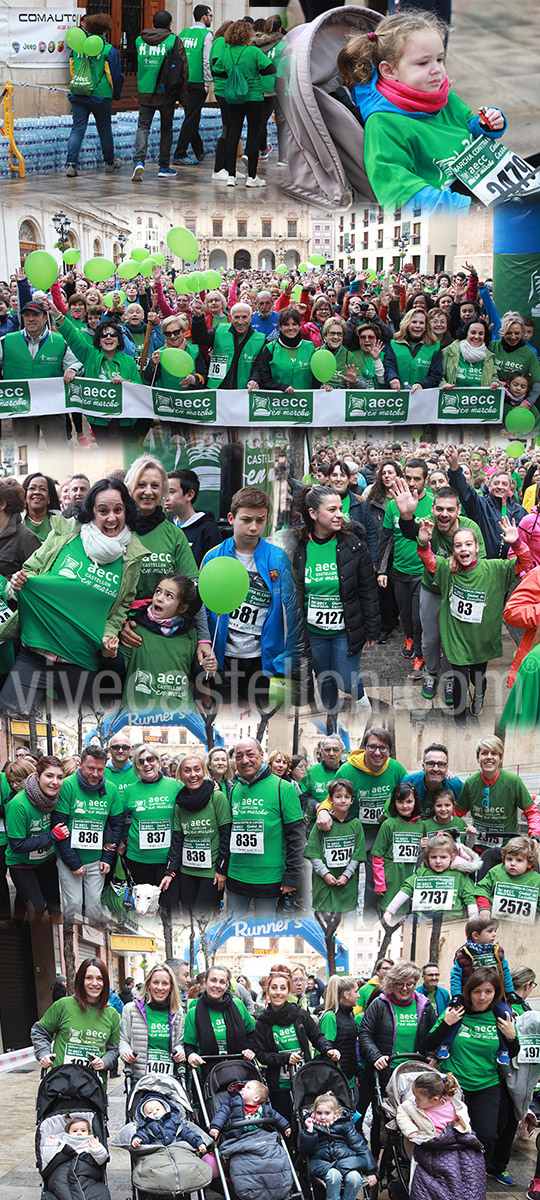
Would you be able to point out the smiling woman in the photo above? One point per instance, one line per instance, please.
(81, 1029)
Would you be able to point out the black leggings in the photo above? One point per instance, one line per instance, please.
(476, 674)
(267, 109)
(199, 895)
(221, 147)
(483, 1106)
(253, 110)
(37, 889)
(506, 1132)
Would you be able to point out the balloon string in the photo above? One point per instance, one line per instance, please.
(208, 676)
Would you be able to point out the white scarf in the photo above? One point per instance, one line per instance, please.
(472, 354)
(102, 549)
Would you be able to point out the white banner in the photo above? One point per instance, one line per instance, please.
(31, 37)
(101, 399)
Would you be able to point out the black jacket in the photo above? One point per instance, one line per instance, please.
(433, 375)
(346, 1040)
(357, 587)
(202, 535)
(361, 514)
(377, 1034)
(307, 1032)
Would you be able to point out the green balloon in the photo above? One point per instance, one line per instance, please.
(519, 420)
(139, 254)
(183, 243)
(323, 365)
(98, 269)
(108, 300)
(281, 270)
(371, 275)
(159, 258)
(147, 266)
(76, 38)
(93, 46)
(302, 267)
(41, 269)
(223, 584)
(197, 281)
(317, 260)
(177, 362)
(515, 449)
(182, 286)
(128, 269)
(71, 256)
(213, 279)
(296, 292)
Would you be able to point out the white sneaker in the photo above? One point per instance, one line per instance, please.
(220, 176)
(257, 182)
(240, 175)
(363, 705)
(231, 180)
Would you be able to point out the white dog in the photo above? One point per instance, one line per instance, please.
(146, 899)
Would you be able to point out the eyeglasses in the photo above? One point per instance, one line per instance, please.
(377, 749)
(174, 333)
(143, 762)
(126, 748)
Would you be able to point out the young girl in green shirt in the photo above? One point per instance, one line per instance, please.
(158, 670)
(397, 843)
(440, 884)
(337, 857)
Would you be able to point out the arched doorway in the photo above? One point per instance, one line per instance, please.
(242, 260)
(98, 247)
(29, 240)
(218, 260)
(292, 258)
(267, 260)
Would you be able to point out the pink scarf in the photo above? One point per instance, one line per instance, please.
(412, 101)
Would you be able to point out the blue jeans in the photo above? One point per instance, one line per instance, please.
(339, 671)
(352, 1183)
(81, 109)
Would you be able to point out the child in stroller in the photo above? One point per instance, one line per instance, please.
(163, 1142)
(430, 1141)
(330, 1143)
(161, 1122)
(71, 1134)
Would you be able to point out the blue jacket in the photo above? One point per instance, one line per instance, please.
(232, 1109)
(485, 509)
(418, 780)
(278, 653)
(339, 1145)
(170, 1128)
(440, 997)
(268, 325)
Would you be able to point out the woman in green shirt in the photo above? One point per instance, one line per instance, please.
(468, 362)
(236, 54)
(73, 593)
(103, 357)
(284, 363)
(201, 838)
(152, 1028)
(83, 1029)
(41, 504)
(217, 1023)
(474, 1050)
(32, 834)
(149, 811)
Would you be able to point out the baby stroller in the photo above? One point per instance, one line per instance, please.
(309, 1081)
(324, 137)
(210, 1096)
(72, 1090)
(396, 1163)
(158, 1170)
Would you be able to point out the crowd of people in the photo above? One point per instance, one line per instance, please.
(480, 1026)
(235, 831)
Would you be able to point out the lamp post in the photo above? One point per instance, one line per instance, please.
(121, 239)
(402, 245)
(62, 225)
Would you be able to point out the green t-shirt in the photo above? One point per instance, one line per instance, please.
(259, 812)
(518, 358)
(495, 814)
(157, 675)
(249, 60)
(77, 1034)
(445, 891)
(151, 809)
(441, 544)
(455, 825)
(65, 610)
(473, 1052)
(200, 831)
(316, 780)
(397, 843)
(218, 1024)
(167, 550)
(159, 1059)
(371, 792)
(25, 821)
(286, 1042)
(472, 609)
(511, 897)
(343, 842)
(363, 996)
(405, 556)
(121, 779)
(406, 1027)
(322, 601)
(85, 814)
(42, 530)
(5, 792)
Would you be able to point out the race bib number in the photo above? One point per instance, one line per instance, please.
(512, 902)
(431, 893)
(86, 834)
(37, 856)
(159, 1062)
(467, 604)
(338, 851)
(251, 614)
(370, 813)
(492, 171)
(78, 1055)
(326, 612)
(248, 837)
(218, 366)
(529, 1048)
(154, 835)
(405, 847)
(196, 852)
(490, 837)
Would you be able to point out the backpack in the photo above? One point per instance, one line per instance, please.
(83, 82)
(171, 76)
(236, 87)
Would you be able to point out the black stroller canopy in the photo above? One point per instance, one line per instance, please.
(231, 1070)
(69, 1086)
(316, 1077)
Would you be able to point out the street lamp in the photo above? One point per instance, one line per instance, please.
(121, 239)
(62, 225)
(402, 244)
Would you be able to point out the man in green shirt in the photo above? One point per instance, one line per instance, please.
(153, 46)
(119, 769)
(406, 570)
(197, 40)
(446, 513)
(267, 835)
(91, 808)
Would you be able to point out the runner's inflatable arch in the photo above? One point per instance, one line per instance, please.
(219, 932)
(191, 721)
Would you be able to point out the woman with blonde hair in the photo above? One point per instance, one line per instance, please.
(339, 1024)
(152, 1028)
(200, 845)
(413, 360)
(220, 768)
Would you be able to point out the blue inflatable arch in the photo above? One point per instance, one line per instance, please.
(220, 931)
